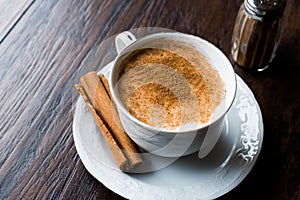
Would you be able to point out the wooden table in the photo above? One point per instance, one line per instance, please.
(43, 45)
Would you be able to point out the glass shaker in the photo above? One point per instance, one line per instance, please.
(257, 32)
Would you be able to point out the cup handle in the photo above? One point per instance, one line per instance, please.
(124, 39)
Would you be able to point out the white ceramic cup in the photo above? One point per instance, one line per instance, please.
(182, 141)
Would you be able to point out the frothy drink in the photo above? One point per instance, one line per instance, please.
(170, 84)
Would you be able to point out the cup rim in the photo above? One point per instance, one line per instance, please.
(122, 108)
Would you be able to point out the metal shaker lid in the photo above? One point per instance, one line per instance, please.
(265, 9)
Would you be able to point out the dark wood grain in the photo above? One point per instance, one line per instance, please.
(40, 59)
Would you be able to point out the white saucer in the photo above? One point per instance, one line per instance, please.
(185, 178)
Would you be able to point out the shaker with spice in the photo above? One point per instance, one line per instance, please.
(257, 33)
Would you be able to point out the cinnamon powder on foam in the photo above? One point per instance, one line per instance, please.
(170, 85)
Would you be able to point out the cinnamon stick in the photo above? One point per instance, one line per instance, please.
(105, 84)
(95, 91)
(116, 152)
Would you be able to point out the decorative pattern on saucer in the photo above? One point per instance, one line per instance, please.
(248, 114)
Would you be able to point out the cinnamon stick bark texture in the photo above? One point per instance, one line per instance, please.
(95, 91)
